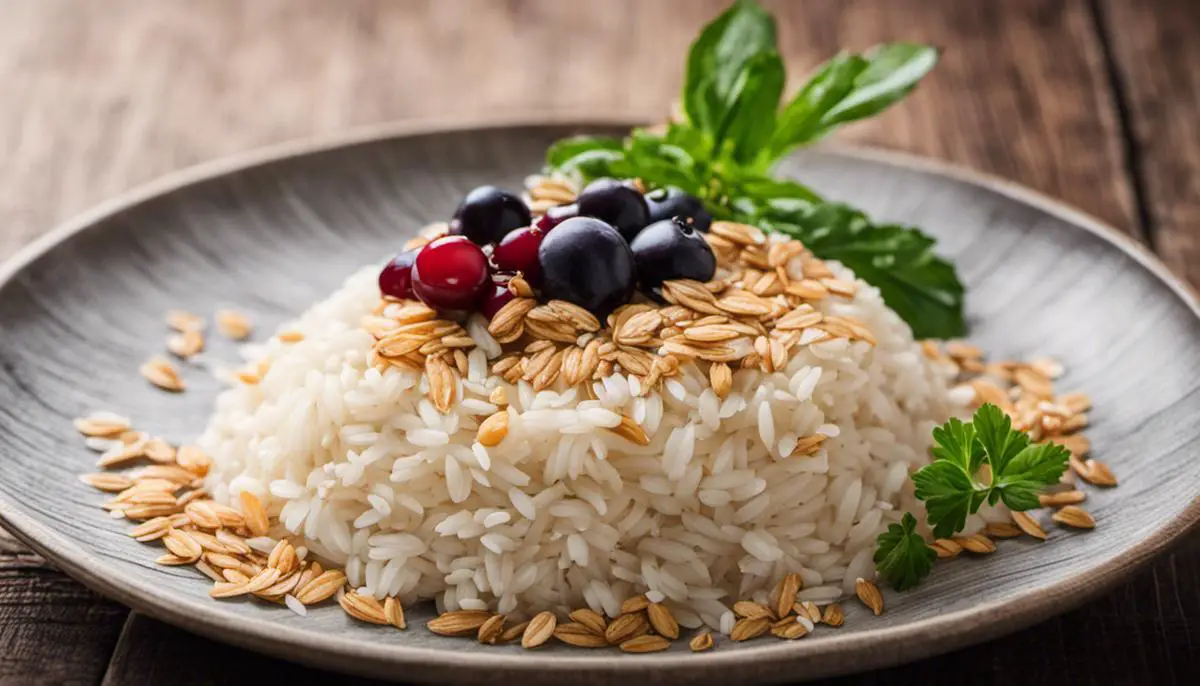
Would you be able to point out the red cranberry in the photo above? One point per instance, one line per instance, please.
(555, 216)
(498, 298)
(396, 278)
(451, 273)
(518, 252)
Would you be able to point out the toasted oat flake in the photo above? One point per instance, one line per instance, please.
(869, 594)
(592, 620)
(833, 616)
(540, 629)
(1071, 497)
(1029, 525)
(645, 644)
(662, 620)
(701, 642)
(187, 344)
(233, 324)
(580, 636)
(103, 425)
(513, 632)
(184, 321)
(489, 632)
(789, 586)
(625, 627)
(160, 372)
(458, 622)
(747, 628)
(1098, 474)
(976, 543)
(1074, 517)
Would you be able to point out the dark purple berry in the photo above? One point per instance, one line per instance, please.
(586, 262)
(671, 249)
(487, 214)
(616, 204)
(666, 203)
(451, 273)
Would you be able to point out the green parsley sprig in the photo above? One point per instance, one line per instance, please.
(952, 490)
(736, 126)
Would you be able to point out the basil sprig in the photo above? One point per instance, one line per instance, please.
(735, 128)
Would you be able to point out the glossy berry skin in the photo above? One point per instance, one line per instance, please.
(555, 216)
(666, 203)
(451, 273)
(396, 277)
(518, 252)
(497, 298)
(671, 249)
(487, 214)
(586, 262)
(616, 204)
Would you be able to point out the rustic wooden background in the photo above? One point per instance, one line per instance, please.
(1092, 101)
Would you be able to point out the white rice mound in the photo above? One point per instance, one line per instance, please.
(563, 514)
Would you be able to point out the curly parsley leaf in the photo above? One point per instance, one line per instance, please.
(1029, 471)
(993, 430)
(902, 556)
(950, 496)
(954, 442)
(951, 490)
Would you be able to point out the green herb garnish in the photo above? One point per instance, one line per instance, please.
(736, 127)
(952, 489)
(902, 556)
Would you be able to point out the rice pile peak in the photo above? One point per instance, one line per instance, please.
(527, 494)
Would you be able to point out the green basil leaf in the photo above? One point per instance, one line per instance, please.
(593, 164)
(800, 121)
(892, 71)
(898, 260)
(716, 60)
(769, 194)
(750, 113)
(565, 149)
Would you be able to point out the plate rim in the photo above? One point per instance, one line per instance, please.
(836, 655)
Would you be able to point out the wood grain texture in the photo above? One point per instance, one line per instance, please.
(322, 215)
(52, 630)
(116, 93)
(102, 96)
(1156, 49)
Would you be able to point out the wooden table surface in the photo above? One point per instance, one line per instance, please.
(1091, 101)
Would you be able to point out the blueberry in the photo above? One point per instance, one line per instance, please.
(586, 262)
(666, 203)
(671, 249)
(487, 214)
(616, 204)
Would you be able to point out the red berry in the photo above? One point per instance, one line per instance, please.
(555, 216)
(396, 278)
(451, 273)
(518, 252)
(498, 298)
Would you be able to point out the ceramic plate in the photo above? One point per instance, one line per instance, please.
(274, 232)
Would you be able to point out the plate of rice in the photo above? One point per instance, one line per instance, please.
(560, 400)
